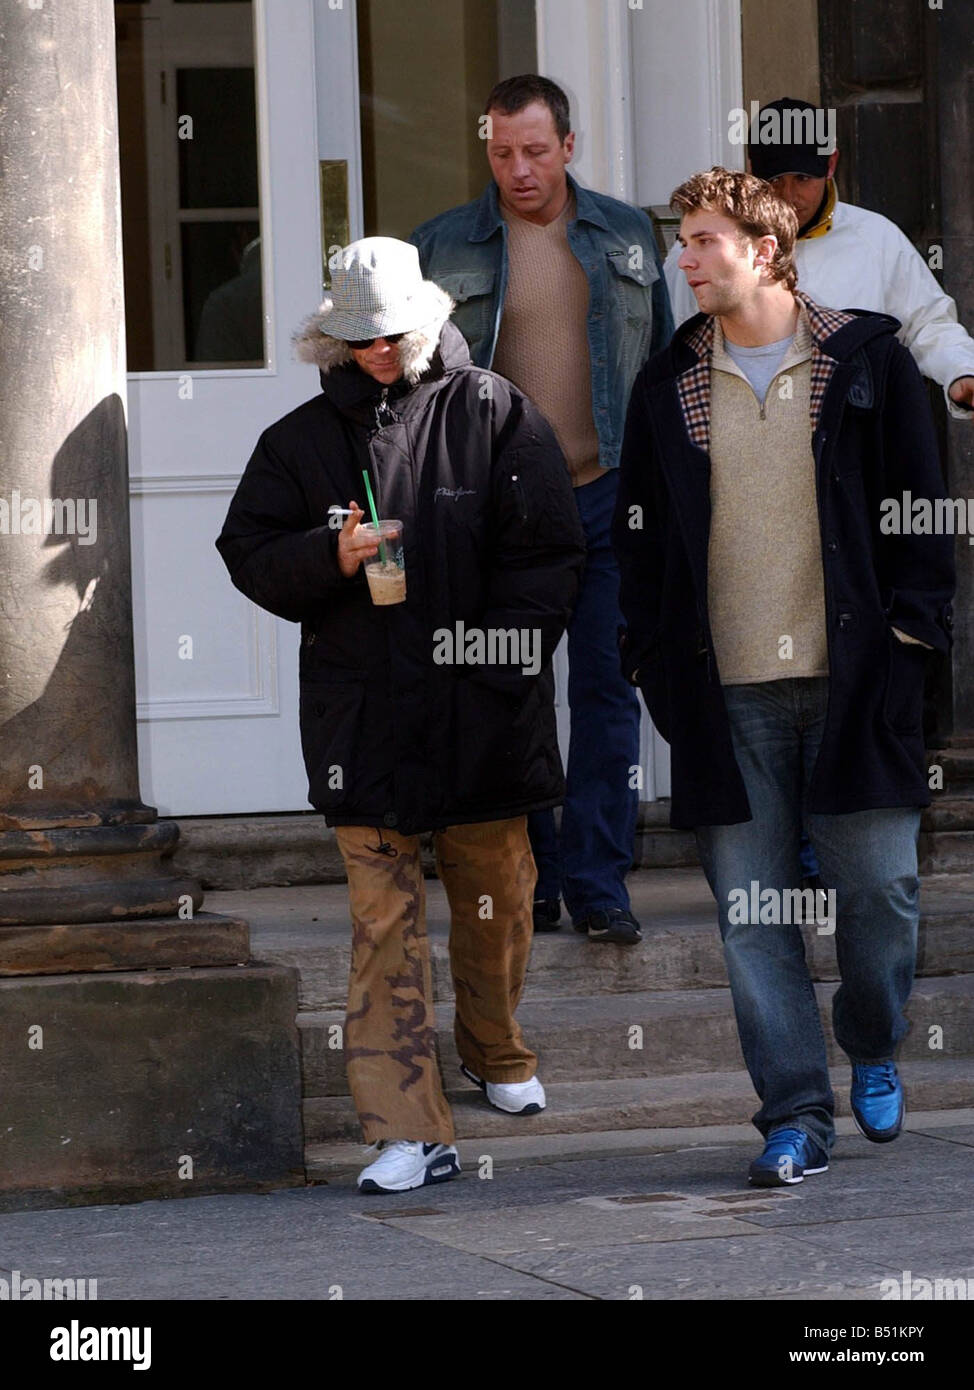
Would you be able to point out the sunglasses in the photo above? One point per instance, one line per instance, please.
(361, 343)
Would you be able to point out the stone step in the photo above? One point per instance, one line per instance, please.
(658, 846)
(946, 844)
(685, 1100)
(946, 851)
(958, 766)
(308, 928)
(228, 853)
(341, 1160)
(651, 1034)
(949, 813)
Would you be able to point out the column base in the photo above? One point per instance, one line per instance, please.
(91, 874)
(151, 944)
(122, 1088)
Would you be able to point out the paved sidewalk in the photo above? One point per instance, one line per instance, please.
(675, 1221)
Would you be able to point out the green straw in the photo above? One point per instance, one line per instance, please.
(375, 515)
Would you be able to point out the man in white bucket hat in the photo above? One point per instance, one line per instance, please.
(431, 714)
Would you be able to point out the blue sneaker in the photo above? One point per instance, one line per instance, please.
(877, 1100)
(789, 1156)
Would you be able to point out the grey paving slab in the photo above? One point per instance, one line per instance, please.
(939, 1242)
(702, 1269)
(625, 1219)
(289, 1245)
(956, 1134)
(675, 1224)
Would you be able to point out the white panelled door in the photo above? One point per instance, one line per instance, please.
(216, 676)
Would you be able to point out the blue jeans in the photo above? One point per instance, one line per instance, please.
(868, 857)
(587, 864)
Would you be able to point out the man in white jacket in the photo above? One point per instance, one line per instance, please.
(850, 258)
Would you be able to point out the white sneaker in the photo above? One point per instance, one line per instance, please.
(408, 1163)
(514, 1098)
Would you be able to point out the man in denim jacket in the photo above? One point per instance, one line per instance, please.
(560, 290)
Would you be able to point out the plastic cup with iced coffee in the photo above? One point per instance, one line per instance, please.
(386, 571)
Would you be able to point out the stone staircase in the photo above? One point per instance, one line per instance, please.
(627, 1038)
(236, 852)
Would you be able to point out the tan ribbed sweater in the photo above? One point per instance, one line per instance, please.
(542, 345)
(765, 587)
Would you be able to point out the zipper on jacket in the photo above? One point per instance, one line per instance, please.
(383, 412)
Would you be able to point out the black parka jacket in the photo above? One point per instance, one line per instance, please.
(492, 539)
(873, 439)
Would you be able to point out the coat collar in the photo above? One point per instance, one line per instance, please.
(822, 324)
(693, 383)
(490, 218)
(351, 390)
(823, 223)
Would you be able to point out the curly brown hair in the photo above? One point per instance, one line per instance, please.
(752, 204)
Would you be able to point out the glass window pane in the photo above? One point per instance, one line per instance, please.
(218, 159)
(221, 292)
(190, 190)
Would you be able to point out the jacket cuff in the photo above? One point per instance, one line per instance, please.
(958, 412)
(912, 641)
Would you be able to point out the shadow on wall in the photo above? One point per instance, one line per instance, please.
(78, 736)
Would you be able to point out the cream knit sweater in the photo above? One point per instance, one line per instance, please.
(542, 345)
(765, 587)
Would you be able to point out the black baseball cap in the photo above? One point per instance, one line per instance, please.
(774, 155)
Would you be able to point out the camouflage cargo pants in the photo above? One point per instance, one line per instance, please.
(390, 1036)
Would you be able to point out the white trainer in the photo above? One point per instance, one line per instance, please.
(514, 1098)
(407, 1163)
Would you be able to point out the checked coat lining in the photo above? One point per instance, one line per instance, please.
(693, 385)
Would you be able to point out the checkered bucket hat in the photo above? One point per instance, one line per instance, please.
(377, 290)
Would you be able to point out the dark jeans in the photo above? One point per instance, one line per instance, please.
(868, 857)
(587, 863)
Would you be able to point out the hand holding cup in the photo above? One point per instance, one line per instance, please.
(352, 548)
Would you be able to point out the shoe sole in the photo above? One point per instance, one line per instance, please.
(615, 940)
(532, 1108)
(880, 1138)
(594, 934)
(427, 1179)
(774, 1180)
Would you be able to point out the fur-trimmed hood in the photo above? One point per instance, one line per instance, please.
(313, 343)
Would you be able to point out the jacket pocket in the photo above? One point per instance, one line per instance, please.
(330, 716)
(498, 742)
(903, 704)
(473, 293)
(631, 288)
(633, 283)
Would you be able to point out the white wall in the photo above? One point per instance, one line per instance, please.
(583, 45)
(686, 78)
